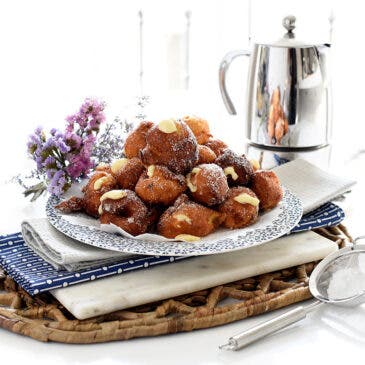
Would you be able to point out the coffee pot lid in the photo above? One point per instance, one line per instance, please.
(288, 39)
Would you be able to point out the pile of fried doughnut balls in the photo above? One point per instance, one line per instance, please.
(176, 180)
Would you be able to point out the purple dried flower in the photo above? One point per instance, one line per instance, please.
(62, 146)
(63, 157)
(36, 140)
(73, 140)
(58, 183)
(79, 165)
(50, 173)
(39, 161)
(50, 163)
(39, 131)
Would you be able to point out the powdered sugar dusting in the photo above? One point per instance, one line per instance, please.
(211, 184)
(241, 165)
(130, 207)
(345, 276)
(346, 283)
(178, 150)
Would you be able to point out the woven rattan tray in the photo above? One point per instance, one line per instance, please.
(43, 318)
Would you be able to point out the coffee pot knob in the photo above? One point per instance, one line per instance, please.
(289, 25)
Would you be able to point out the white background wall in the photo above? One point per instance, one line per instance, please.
(55, 53)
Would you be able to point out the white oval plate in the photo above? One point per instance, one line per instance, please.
(270, 225)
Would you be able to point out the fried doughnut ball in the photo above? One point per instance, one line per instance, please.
(216, 145)
(267, 187)
(74, 204)
(238, 169)
(158, 185)
(99, 183)
(207, 184)
(187, 220)
(124, 209)
(127, 172)
(136, 140)
(103, 167)
(153, 216)
(171, 143)
(240, 208)
(199, 127)
(206, 155)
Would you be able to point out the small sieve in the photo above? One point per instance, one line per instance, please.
(338, 279)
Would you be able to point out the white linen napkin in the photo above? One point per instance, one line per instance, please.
(63, 252)
(311, 184)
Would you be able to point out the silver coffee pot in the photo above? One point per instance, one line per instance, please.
(288, 106)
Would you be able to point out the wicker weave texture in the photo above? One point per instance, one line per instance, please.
(43, 318)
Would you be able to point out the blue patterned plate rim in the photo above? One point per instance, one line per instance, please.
(284, 218)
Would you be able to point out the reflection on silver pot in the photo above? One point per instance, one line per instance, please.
(277, 123)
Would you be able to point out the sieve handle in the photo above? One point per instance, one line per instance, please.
(264, 329)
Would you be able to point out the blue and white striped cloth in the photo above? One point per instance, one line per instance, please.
(36, 275)
(326, 215)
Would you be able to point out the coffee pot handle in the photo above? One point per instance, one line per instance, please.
(227, 60)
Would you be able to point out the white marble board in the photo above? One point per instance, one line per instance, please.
(140, 287)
